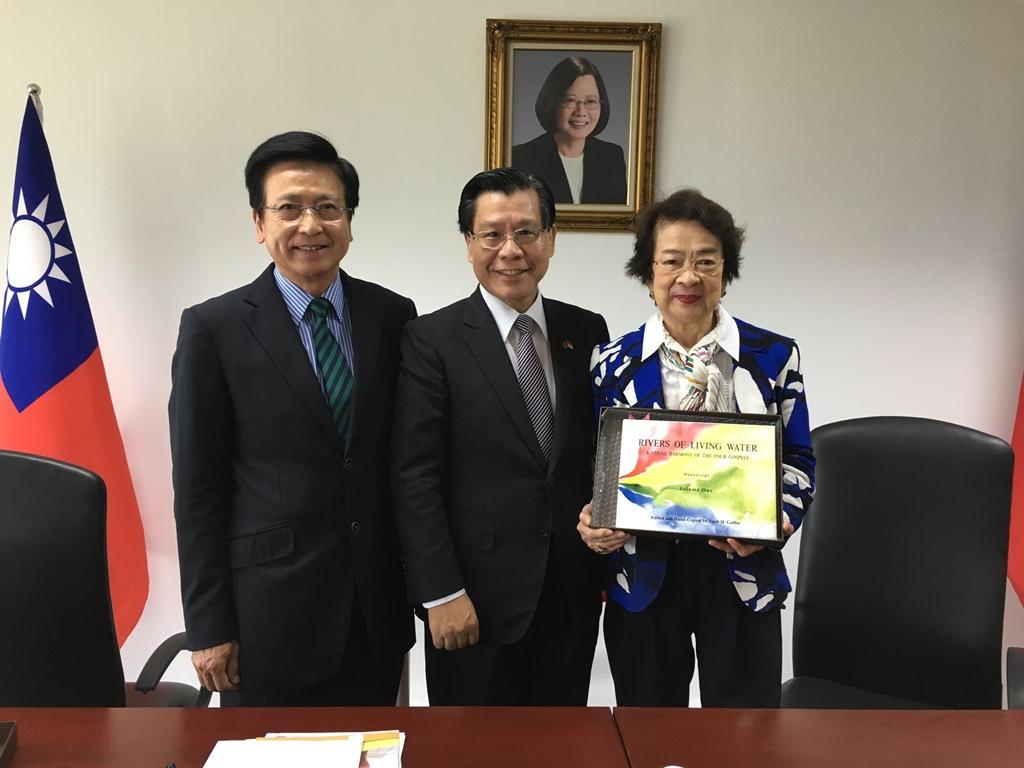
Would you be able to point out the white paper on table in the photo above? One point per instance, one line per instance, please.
(270, 753)
(389, 755)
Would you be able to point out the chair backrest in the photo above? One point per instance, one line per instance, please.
(57, 640)
(902, 573)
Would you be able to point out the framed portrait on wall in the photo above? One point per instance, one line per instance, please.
(574, 103)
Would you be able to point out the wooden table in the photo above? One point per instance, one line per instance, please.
(822, 738)
(500, 737)
(493, 737)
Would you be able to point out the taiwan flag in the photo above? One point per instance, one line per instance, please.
(54, 399)
(1015, 568)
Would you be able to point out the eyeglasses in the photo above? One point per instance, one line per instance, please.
(569, 102)
(492, 241)
(294, 211)
(702, 265)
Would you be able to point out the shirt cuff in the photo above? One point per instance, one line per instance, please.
(441, 601)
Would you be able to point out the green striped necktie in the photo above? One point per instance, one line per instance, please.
(335, 372)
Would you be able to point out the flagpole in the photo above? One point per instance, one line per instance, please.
(34, 92)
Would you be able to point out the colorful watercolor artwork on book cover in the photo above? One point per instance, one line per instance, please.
(698, 478)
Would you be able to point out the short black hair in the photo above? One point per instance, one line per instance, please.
(557, 83)
(506, 181)
(684, 205)
(302, 146)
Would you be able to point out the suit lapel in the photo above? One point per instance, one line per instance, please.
(364, 320)
(554, 172)
(565, 363)
(488, 348)
(273, 328)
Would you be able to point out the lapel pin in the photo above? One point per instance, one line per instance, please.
(567, 344)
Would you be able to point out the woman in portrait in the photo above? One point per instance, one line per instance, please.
(573, 108)
(691, 354)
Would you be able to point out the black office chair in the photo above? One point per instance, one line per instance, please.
(58, 647)
(902, 579)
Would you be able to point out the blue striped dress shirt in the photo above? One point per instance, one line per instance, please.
(297, 300)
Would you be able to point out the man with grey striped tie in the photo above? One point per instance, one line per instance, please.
(492, 462)
(280, 414)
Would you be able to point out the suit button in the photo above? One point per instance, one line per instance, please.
(348, 463)
(354, 527)
(544, 533)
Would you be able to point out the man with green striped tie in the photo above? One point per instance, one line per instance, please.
(280, 417)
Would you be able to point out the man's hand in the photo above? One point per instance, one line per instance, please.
(217, 667)
(454, 624)
(734, 547)
(602, 540)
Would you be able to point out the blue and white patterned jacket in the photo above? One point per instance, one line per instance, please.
(766, 379)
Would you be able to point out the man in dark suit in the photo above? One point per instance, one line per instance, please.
(280, 416)
(492, 462)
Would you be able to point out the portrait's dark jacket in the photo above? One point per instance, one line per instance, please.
(278, 520)
(476, 504)
(604, 169)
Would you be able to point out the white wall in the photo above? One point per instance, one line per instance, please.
(874, 149)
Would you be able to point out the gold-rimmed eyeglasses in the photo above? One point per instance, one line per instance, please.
(492, 241)
(294, 211)
(707, 266)
(570, 102)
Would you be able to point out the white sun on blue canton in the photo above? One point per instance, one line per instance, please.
(32, 256)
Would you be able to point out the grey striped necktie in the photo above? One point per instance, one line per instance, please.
(533, 383)
(335, 371)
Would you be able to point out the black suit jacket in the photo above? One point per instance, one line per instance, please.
(604, 169)
(477, 506)
(278, 520)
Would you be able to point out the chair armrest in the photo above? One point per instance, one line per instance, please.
(158, 662)
(203, 699)
(1015, 678)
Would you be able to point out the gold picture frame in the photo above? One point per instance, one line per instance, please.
(527, 62)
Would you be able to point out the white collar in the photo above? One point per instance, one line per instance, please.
(505, 316)
(727, 330)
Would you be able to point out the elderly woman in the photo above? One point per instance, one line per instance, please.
(573, 108)
(693, 355)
